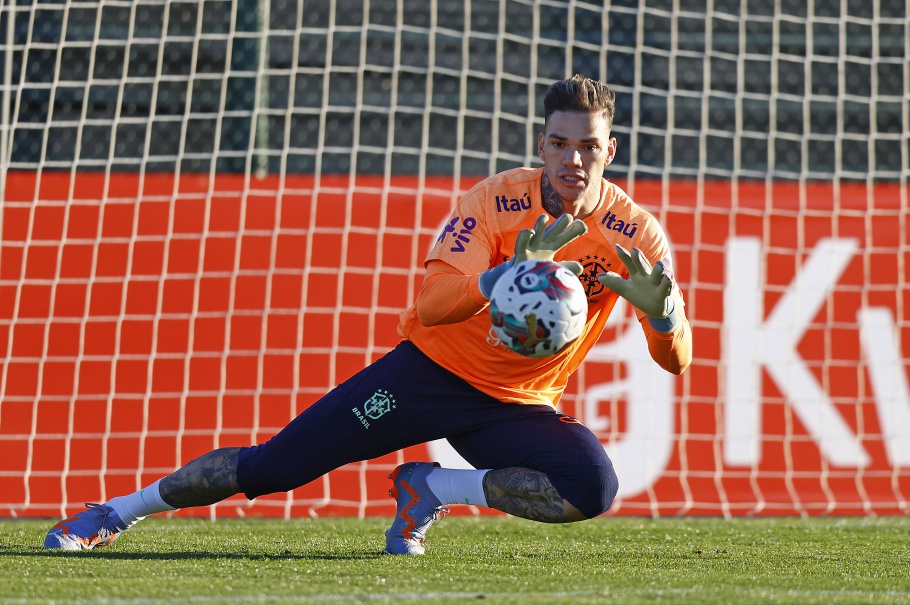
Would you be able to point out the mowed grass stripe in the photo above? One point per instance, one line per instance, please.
(489, 559)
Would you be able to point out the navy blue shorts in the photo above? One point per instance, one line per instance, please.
(405, 399)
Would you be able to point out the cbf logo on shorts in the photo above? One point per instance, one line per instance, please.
(380, 404)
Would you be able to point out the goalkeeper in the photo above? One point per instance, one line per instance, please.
(450, 377)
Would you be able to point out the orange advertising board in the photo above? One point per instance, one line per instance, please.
(146, 319)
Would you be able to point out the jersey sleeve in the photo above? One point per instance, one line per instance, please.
(468, 239)
(450, 292)
(448, 296)
(671, 350)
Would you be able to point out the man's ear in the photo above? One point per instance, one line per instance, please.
(611, 151)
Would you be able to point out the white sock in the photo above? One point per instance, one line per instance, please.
(138, 505)
(458, 486)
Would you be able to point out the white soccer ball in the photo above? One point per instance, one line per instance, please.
(537, 308)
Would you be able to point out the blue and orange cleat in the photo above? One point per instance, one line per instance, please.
(98, 525)
(418, 508)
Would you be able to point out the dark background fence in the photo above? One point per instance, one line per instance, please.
(451, 87)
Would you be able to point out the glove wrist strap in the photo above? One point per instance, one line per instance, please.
(489, 278)
(667, 324)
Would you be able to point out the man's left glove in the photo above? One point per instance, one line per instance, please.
(646, 289)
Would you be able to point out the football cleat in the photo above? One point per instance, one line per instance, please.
(98, 525)
(418, 508)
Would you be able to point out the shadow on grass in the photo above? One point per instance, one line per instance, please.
(114, 555)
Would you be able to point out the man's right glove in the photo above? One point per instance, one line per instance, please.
(538, 244)
(542, 244)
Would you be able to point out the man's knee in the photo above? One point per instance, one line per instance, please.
(593, 491)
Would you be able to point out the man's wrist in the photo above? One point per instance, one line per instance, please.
(489, 278)
(666, 324)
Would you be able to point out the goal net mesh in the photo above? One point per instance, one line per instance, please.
(213, 212)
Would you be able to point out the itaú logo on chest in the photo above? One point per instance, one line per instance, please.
(504, 204)
(617, 224)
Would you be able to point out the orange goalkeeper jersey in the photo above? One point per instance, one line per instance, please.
(481, 234)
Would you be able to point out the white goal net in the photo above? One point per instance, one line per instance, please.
(214, 210)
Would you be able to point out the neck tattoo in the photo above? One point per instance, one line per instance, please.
(550, 200)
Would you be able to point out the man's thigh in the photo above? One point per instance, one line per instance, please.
(400, 400)
(549, 442)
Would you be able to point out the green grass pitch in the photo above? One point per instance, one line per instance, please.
(470, 560)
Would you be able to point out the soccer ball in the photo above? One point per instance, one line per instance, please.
(537, 308)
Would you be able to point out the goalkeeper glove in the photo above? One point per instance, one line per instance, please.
(538, 244)
(647, 288)
(541, 244)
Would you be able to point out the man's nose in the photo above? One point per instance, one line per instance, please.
(572, 158)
